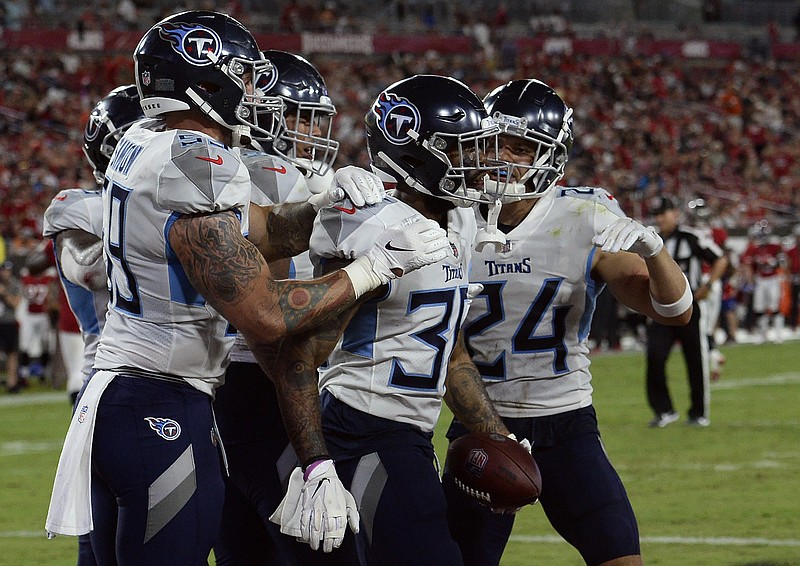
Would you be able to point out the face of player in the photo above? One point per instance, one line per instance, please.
(304, 126)
(517, 151)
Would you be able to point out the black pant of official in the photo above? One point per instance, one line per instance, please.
(694, 343)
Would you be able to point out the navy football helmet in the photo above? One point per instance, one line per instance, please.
(206, 61)
(304, 137)
(108, 121)
(431, 133)
(531, 110)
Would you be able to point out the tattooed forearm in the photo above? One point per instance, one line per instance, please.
(292, 365)
(467, 398)
(289, 228)
(304, 304)
(219, 262)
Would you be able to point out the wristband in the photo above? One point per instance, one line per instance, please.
(362, 276)
(678, 307)
(317, 461)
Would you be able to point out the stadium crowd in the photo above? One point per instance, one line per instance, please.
(722, 130)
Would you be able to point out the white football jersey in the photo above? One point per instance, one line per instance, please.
(157, 321)
(392, 358)
(274, 180)
(527, 329)
(78, 209)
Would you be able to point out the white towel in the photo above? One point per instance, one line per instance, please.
(70, 511)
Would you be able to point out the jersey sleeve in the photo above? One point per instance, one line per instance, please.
(201, 175)
(74, 209)
(347, 232)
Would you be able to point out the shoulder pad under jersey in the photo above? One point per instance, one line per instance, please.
(274, 179)
(345, 231)
(201, 175)
(74, 209)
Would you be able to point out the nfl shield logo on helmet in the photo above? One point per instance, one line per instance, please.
(397, 118)
(146, 78)
(165, 428)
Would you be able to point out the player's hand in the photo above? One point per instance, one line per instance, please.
(317, 508)
(625, 234)
(362, 187)
(415, 242)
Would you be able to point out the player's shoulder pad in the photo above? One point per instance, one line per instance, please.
(201, 175)
(347, 232)
(596, 195)
(74, 209)
(274, 179)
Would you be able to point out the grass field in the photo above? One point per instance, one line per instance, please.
(728, 495)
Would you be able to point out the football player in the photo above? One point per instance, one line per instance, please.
(74, 221)
(259, 455)
(555, 249)
(390, 360)
(763, 261)
(186, 255)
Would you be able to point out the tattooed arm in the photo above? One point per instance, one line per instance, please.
(292, 365)
(466, 395)
(235, 279)
(281, 230)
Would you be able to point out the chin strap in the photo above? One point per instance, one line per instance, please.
(491, 234)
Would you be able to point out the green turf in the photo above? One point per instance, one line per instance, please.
(728, 495)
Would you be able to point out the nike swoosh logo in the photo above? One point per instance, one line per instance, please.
(280, 170)
(390, 247)
(215, 160)
(351, 210)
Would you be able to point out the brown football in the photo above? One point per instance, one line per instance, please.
(494, 469)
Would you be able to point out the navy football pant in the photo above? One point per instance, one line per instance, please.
(582, 495)
(156, 480)
(259, 462)
(388, 467)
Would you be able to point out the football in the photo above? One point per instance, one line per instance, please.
(494, 469)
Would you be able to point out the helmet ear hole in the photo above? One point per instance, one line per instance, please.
(412, 161)
(209, 87)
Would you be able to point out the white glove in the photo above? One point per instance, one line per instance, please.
(318, 509)
(359, 185)
(413, 243)
(625, 234)
(525, 443)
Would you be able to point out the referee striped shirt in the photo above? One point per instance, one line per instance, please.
(690, 249)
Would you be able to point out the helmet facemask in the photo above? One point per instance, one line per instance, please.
(256, 111)
(305, 135)
(548, 161)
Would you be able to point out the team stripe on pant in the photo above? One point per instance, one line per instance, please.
(170, 492)
(366, 488)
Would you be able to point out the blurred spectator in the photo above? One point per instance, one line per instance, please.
(793, 268)
(712, 11)
(10, 298)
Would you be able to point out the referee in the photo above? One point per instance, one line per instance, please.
(690, 249)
